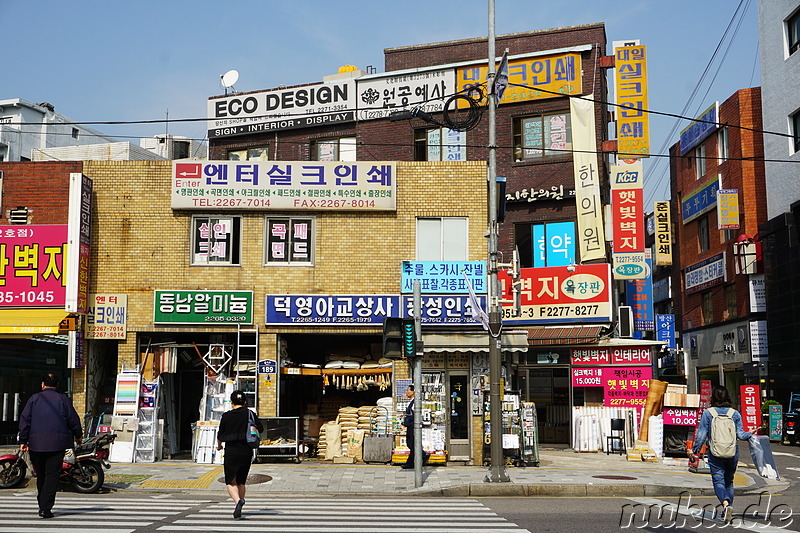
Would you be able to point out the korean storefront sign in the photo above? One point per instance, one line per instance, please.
(426, 89)
(553, 244)
(700, 201)
(289, 240)
(633, 121)
(33, 266)
(665, 330)
(663, 233)
(639, 295)
(555, 295)
(591, 241)
(79, 236)
(107, 316)
(282, 109)
(662, 290)
(617, 355)
(443, 276)
(532, 194)
(288, 185)
(700, 128)
(758, 293)
(203, 307)
(728, 209)
(750, 396)
(706, 273)
(367, 309)
(680, 416)
(555, 75)
(623, 386)
(627, 218)
(759, 346)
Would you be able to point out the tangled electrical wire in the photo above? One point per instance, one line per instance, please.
(462, 111)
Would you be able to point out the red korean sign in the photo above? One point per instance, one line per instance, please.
(33, 265)
(627, 215)
(751, 406)
(619, 355)
(622, 386)
(559, 295)
(680, 416)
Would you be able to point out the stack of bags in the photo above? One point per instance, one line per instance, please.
(348, 419)
(364, 417)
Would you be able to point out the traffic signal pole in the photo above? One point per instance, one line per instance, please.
(417, 380)
(497, 472)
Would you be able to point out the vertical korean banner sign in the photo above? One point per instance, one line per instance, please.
(750, 396)
(633, 122)
(663, 234)
(591, 239)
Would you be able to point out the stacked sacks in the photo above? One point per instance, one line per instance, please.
(348, 419)
(381, 423)
(364, 419)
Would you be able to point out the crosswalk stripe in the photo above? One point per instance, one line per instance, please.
(38, 529)
(323, 528)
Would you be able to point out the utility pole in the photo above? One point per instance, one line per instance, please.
(417, 380)
(497, 472)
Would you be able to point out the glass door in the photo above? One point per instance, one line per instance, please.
(460, 414)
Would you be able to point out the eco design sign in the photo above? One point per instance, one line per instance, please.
(203, 307)
(33, 266)
(285, 185)
(559, 295)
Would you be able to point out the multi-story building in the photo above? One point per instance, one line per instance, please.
(719, 200)
(25, 126)
(779, 48)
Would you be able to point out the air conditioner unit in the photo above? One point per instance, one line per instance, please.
(625, 313)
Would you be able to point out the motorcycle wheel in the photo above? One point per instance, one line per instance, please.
(12, 472)
(90, 479)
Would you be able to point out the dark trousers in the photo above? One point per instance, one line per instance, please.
(48, 467)
(410, 444)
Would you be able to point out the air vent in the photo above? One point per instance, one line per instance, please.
(18, 215)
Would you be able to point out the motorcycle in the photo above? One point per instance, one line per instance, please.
(791, 420)
(82, 466)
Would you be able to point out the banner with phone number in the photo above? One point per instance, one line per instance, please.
(622, 386)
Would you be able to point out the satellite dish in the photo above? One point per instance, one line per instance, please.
(229, 78)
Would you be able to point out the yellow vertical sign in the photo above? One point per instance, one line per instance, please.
(633, 122)
(663, 234)
(728, 209)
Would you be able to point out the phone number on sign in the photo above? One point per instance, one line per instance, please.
(554, 311)
(27, 297)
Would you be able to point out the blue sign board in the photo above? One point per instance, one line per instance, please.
(696, 132)
(665, 330)
(368, 309)
(553, 244)
(267, 366)
(700, 201)
(661, 290)
(639, 295)
(443, 276)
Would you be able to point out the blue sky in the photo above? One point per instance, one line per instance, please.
(114, 61)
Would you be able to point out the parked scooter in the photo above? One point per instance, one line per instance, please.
(82, 466)
(791, 420)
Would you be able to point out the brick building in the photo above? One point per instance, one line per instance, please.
(721, 321)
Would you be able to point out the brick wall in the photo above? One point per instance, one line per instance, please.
(41, 187)
(140, 244)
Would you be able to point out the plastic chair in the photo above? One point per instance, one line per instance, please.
(616, 440)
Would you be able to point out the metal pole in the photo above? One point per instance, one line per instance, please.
(417, 379)
(497, 472)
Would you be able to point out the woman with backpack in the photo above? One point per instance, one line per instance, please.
(721, 426)
(233, 430)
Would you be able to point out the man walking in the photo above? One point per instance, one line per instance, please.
(47, 427)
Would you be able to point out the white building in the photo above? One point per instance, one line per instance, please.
(174, 147)
(25, 126)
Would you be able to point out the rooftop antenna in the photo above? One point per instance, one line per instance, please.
(228, 79)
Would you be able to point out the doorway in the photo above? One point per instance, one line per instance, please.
(548, 388)
(460, 413)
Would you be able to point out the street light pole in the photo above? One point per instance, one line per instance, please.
(497, 472)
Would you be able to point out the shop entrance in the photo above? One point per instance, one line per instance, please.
(460, 408)
(549, 389)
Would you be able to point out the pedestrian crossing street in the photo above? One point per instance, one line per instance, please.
(93, 512)
(113, 514)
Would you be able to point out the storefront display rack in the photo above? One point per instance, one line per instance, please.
(512, 429)
(279, 438)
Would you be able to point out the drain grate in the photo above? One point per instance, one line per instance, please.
(253, 479)
(619, 478)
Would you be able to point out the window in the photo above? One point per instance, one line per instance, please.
(553, 244)
(180, 149)
(442, 239)
(722, 144)
(707, 308)
(216, 241)
(795, 125)
(542, 136)
(341, 149)
(793, 31)
(289, 241)
(700, 156)
(702, 233)
(440, 144)
(75, 133)
(730, 303)
(260, 153)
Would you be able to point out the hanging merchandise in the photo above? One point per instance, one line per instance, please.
(530, 434)
(147, 442)
(511, 428)
(126, 411)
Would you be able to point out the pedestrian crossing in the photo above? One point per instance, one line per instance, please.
(345, 515)
(94, 512)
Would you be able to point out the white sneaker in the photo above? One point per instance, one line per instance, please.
(727, 514)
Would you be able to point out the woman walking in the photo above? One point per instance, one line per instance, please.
(721, 425)
(233, 429)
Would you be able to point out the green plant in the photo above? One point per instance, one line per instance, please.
(766, 404)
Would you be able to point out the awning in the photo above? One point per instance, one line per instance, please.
(512, 341)
(563, 335)
(31, 321)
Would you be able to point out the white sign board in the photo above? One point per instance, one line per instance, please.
(427, 90)
(759, 347)
(758, 293)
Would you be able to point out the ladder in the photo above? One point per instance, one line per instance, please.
(246, 364)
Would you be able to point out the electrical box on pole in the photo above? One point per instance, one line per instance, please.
(393, 337)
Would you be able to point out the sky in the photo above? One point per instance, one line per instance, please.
(151, 60)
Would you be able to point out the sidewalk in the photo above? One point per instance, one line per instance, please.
(561, 473)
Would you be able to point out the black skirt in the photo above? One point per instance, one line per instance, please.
(238, 457)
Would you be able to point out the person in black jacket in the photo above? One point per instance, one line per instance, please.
(48, 426)
(233, 428)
